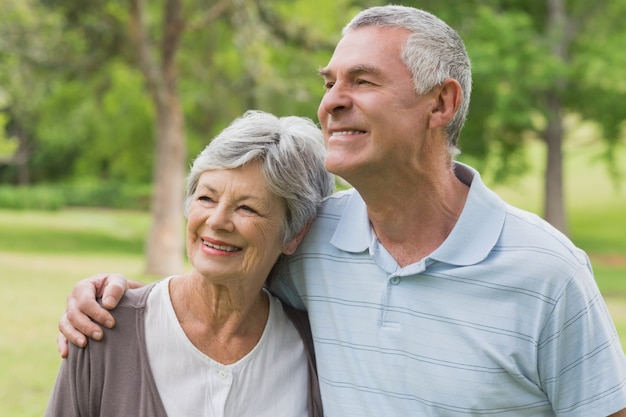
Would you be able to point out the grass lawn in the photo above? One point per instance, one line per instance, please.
(42, 255)
(34, 287)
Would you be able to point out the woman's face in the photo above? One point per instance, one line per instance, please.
(234, 226)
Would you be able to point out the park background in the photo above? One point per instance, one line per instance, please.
(103, 104)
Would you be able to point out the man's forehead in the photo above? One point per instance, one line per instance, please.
(365, 48)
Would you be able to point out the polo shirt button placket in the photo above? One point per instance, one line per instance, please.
(388, 316)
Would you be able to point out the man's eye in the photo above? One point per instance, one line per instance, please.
(328, 85)
(205, 198)
(361, 81)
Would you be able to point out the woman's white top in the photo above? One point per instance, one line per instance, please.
(269, 381)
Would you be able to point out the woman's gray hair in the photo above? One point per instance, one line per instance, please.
(434, 52)
(292, 153)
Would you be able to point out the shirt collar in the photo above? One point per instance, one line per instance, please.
(478, 228)
(472, 238)
(353, 232)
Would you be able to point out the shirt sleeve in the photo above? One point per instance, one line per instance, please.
(581, 362)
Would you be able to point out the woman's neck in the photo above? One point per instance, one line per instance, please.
(223, 323)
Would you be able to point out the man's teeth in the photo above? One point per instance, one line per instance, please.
(221, 247)
(347, 132)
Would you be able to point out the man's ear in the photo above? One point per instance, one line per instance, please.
(448, 100)
(293, 244)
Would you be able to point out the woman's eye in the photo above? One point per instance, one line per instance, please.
(205, 198)
(249, 209)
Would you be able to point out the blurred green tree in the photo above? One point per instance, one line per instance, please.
(200, 65)
(120, 89)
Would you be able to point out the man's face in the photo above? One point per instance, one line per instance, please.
(373, 121)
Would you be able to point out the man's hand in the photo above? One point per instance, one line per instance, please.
(76, 324)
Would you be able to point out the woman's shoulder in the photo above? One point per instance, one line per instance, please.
(136, 297)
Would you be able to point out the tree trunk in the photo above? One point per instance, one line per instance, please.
(554, 205)
(164, 248)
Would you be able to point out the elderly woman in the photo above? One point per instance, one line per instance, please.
(214, 342)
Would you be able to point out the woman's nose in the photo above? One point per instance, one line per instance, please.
(220, 218)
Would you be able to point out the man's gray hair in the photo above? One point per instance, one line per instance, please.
(434, 52)
(291, 152)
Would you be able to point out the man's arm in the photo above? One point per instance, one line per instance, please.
(621, 413)
(82, 307)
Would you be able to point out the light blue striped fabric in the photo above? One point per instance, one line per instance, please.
(503, 319)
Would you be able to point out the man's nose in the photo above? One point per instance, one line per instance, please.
(336, 98)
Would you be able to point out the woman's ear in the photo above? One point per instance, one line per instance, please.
(293, 244)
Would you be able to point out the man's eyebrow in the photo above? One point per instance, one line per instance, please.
(323, 72)
(356, 70)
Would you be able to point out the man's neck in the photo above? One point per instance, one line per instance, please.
(413, 219)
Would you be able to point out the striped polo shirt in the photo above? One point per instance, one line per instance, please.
(503, 319)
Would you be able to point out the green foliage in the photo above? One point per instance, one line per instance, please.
(516, 70)
(31, 198)
(96, 29)
(112, 194)
(74, 230)
(500, 113)
(598, 71)
(81, 231)
(77, 103)
(264, 55)
(84, 193)
(108, 136)
(8, 146)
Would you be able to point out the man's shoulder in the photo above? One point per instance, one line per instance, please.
(334, 205)
(329, 216)
(525, 230)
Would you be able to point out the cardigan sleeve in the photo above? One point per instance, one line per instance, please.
(301, 321)
(110, 378)
(70, 395)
